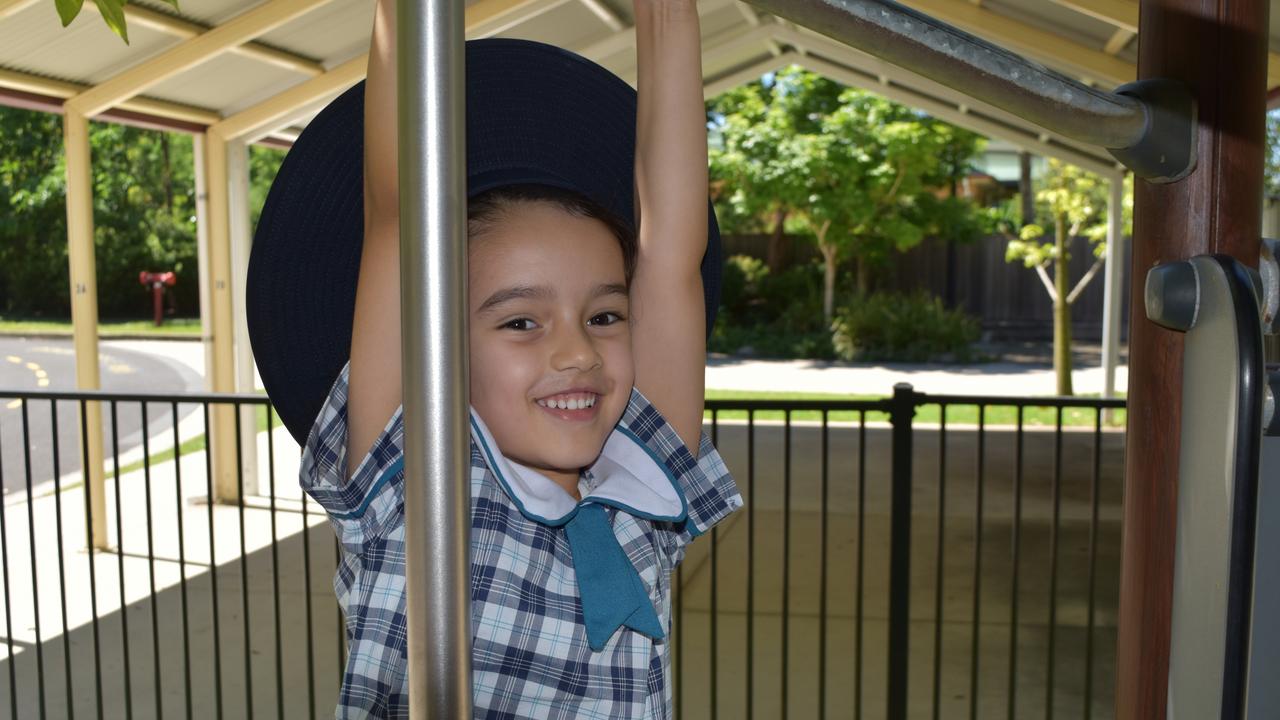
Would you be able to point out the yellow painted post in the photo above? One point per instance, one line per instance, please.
(84, 308)
(222, 430)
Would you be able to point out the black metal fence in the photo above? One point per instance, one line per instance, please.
(918, 556)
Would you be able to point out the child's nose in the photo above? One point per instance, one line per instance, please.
(574, 349)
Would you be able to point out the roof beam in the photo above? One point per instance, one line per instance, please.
(750, 73)
(295, 102)
(1120, 13)
(1123, 14)
(188, 54)
(605, 13)
(725, 44)
(62, 90)
(1019, 137)
(186, 29)
(854, 67)
(490, 17)
(1119, 39)
(1050, 48)
(13, 7)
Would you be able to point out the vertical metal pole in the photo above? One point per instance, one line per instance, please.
(431, 97)
(1112, 301)
(903, 409)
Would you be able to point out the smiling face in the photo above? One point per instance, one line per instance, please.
(550, 340)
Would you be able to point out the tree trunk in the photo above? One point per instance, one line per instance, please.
(1061, 310)
(166, 176)
(863, 271)
(828, 273)
(1024, 188)
(778, 256)
(949, 298)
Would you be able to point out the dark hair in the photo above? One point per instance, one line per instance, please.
(488, 207)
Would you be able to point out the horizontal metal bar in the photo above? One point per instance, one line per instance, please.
(106, 396)
(781, 404)
(882, 405)
(1006, 401)
(931, 48)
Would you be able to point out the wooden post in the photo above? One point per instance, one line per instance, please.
(84, 310)
(222, 430)
(1220, 50)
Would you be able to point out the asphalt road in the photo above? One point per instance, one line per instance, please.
(49, 364)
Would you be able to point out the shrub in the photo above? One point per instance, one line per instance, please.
(903, 328)
(771, 315)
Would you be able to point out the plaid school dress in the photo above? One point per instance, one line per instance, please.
(532, 656)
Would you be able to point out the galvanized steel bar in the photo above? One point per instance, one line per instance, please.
(431, 95)
(931, 48)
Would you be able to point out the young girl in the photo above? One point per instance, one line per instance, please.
(590, 471)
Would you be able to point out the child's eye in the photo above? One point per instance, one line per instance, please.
(604, 318)
(516, 324)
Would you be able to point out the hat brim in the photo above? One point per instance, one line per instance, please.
(535, 114)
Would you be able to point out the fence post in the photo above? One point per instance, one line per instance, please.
(902, 410)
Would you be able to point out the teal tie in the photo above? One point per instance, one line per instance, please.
(612, 592)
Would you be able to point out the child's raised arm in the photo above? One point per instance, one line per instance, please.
(667, 303)
(374, 380)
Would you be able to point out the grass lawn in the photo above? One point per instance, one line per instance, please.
(925, 414)
(182, 327)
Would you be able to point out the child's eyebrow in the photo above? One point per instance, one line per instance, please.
(610, 289)
(519, 292)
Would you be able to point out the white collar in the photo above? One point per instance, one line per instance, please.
(627, 475)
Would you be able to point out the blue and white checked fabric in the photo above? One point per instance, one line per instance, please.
(530, 655)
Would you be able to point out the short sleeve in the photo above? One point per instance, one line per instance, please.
(709, 489)
(366, 507)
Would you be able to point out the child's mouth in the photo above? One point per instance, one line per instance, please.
(577, 406)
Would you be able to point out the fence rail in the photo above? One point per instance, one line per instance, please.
(917, 556)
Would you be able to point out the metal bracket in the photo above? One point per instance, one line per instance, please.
(1172, 295)
(1166, 152)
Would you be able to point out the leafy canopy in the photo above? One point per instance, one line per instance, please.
(1074, 199)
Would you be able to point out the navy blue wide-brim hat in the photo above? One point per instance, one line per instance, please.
(535, 114)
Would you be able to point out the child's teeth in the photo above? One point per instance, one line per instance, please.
(572, 403)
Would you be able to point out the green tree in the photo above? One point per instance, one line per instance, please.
(1075, 203)
(143, 208)
(33, 249)
(1271, 180)
(857, 170)
(871, 176)
(754, 182)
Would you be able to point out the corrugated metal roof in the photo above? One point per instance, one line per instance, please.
(33, 42)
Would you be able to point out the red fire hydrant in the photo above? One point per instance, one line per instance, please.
(157, 282)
